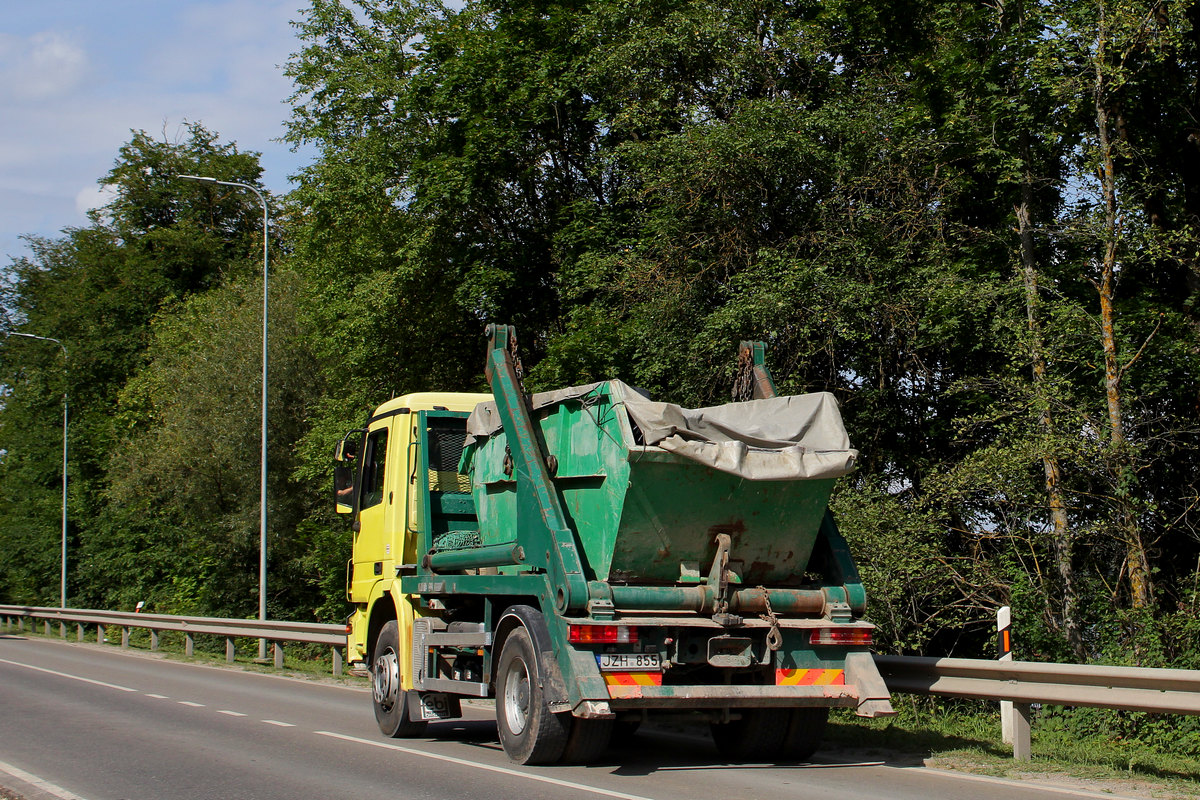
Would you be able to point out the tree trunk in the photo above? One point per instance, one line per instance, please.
(1137, 564)
(1062, 537)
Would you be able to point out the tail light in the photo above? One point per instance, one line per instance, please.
(601, 634)
(847, 637)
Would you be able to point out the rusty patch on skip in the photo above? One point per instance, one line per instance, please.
(732, 528)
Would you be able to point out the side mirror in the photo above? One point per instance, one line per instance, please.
(343, 488)
(344, 455)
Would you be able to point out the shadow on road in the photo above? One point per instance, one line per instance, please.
(672, 748)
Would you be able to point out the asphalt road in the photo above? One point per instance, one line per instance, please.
(93, 722)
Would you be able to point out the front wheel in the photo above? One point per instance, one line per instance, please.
(529, 731)
(388, 696)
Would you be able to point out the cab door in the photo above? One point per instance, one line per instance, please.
(372, 539)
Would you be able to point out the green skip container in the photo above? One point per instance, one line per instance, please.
(648, 486)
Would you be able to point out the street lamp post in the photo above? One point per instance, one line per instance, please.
(262, 513)
(62, 590)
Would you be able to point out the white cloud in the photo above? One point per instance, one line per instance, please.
(43, 65)
(71, 95)
(90, 197)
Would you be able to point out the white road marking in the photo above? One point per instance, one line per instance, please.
(1042, 787)
(277, 722)
(67, 675)
(158, 696)
(486, 767)
(231, 713)
(34, 780)
(190, 703)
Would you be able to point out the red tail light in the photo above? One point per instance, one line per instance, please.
(847, 637)
(601, 634)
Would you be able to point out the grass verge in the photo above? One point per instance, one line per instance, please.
(1084, 748)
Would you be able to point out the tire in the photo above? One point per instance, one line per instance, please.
(806, 728)
(757, 736)
(389, 699)
(588, 740)
(529, 732)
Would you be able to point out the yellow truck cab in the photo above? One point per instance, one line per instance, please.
(378, 466)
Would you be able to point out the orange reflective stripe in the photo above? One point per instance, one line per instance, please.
(810, 677)
(831, 677)
(633, 678)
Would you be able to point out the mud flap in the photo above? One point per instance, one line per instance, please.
(874, 700)
(553, 685)
(425, 706)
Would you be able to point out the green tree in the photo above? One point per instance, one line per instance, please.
(96, 288)
(180, 528)
(460, 168)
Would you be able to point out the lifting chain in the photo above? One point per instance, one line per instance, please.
(743, 381)
(518, 368)
(774, 636)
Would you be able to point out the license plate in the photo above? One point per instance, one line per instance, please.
(436, 706)
(629, 662)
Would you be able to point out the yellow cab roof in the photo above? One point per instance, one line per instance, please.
(424, 401)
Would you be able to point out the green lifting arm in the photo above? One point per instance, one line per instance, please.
(542, 527)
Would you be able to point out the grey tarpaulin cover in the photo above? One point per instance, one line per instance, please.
(776, 438)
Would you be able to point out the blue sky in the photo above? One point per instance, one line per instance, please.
(76, 76)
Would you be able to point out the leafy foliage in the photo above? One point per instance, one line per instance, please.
(976, 225)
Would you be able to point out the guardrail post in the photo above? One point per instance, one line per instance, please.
(62, 630)
(278, 655)
(229, 649)
(125, 637)
(20, 624)
(79, 631)
(100, 633)
(189, 643)
(153, 639)
(1022, 749)
(337, 661)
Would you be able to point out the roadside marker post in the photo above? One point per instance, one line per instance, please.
(1004, 653)
(1014, 717)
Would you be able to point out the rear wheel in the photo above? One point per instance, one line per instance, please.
(388, 696)
(756, 736)
(529, 731)
(588, 740)
(806, 728)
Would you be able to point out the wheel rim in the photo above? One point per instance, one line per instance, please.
(516, 696)
(385, 683)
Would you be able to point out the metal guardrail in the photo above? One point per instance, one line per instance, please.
(273, 631)
(1175, 691)
(1171, 691)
